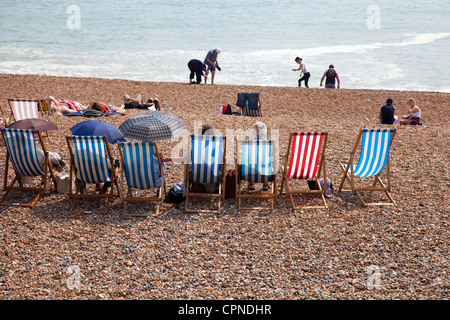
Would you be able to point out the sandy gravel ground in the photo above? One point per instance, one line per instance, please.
(344, 252)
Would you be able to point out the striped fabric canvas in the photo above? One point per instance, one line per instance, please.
(139, 164)
(22, 150)
(24, 108)
(374, 152)
(256, 161)
(90, 159)
(206, 158)
(251, 109)
(305, 153)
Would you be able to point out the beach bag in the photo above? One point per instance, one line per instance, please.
(62, 182)
(230, 184)
(228, 110)
(91, 113)
(197, 188)
(43, 104)
(175, 194)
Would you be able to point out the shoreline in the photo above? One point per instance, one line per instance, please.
(219, 84)
(240, 255)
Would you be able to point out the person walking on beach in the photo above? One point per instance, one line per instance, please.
(196, 67)
(331, 76)
(211, 63)
(303, 71)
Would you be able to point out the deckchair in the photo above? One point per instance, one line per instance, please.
(23, 154)
(24, 109)
(91, 162)
(207, 165)
(373, 158)
(250, 104)
(256, 165)
(142, 172)
(305, 160)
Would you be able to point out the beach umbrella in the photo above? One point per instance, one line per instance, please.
(153, 126)
(33, 123)
(97, 128)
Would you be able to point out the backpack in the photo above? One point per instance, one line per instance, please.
(228, 110)
(230, 184)
(331, 73)
(175, 194)
(93, 113)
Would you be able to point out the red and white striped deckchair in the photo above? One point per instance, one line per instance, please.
(306, 160)
(24, 109)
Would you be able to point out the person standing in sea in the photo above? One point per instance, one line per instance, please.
(211, 63)
(303, 71)
(196, 67)
(331, 76)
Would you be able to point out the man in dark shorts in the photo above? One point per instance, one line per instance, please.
(330, 77)
(196, 67)
(211, 63)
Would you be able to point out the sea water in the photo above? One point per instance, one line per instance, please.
(395, 44)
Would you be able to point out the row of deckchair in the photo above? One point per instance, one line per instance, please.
(91, 162)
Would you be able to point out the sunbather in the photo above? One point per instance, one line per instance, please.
(64, 106)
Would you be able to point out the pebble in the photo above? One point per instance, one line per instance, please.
(308, 254)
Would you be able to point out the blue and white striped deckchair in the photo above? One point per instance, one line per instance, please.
(206, 167)
(256, 161)
(373, 158)
(256, 166)
(142, 172)
(22, 152)
(91, 162)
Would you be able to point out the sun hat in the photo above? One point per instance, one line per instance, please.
(218, 50)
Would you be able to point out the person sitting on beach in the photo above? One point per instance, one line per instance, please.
(413, 117)
(56, 163)
(387, 113)
(331, 76)
(260, 133)
(64, 106)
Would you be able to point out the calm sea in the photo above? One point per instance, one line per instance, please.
(395, 44)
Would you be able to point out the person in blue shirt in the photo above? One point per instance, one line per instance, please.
(211, 63)
(196, 67)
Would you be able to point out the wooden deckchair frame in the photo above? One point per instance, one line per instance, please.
(321, 168)
(108, 196)
(221, 184)
(48, 174)
(386, 188)
(255, 195)
(128, 196)
(3, 115)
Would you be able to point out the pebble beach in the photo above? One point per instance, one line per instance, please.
(344, 252)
